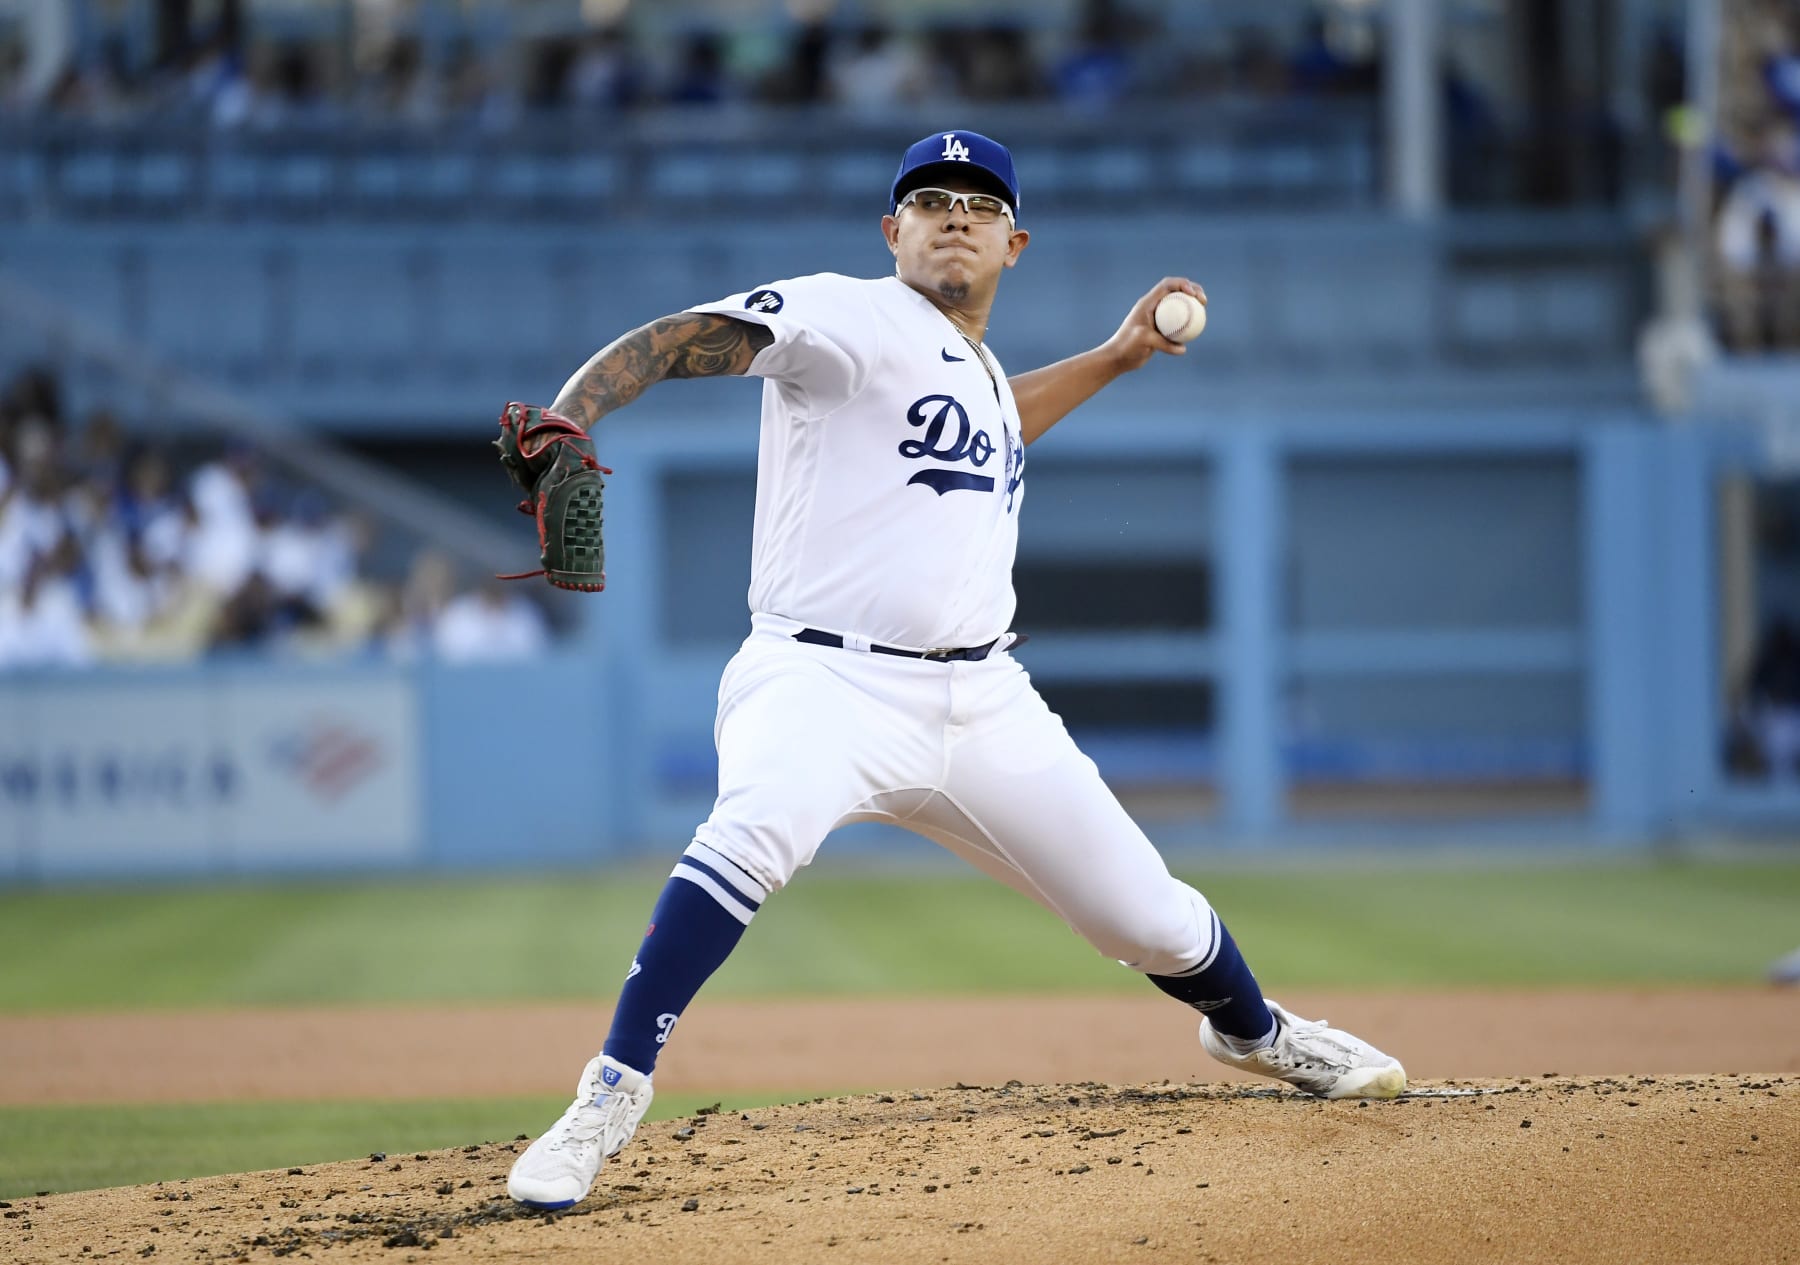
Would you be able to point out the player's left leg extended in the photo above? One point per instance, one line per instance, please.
(806, 736)
(1024, 804)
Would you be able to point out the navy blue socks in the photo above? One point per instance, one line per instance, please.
(1223, 989)
(698, 921)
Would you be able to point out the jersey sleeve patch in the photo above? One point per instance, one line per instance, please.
(768, 301)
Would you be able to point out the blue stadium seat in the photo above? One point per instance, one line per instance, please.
(89, 180)
(22, 181)
(163, 181)
(857, 176)
(685, 177)
(1206, 167)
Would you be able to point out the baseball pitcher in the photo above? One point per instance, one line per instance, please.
(877, 682)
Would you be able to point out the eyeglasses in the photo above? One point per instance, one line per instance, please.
(982, 208)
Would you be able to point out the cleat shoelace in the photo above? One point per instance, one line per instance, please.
(1319, 1032)
(588, 1120)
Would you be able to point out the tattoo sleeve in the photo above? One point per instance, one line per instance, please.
(686, 345)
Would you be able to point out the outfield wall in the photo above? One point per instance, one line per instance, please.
(238, 769)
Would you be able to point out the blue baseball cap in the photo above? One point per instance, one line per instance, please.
(945, 154)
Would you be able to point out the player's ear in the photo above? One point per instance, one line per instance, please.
(1015, 246)
(890, 229)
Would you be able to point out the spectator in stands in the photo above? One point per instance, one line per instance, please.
(428, 618)
(33, 518)
(215, 84)
(1759, 247)
(98, 87)
(294, 551)
(1781, 69)
(149, 512)
(405, 90)
(102, 558)
(607, 77)
(546, 86)
(480, 91)
(42, 620)
(700, 77)
(1772, 700)
(406, 628)
(130, 591)
(222, 548)
(1335, 56)
(801, 79)
(1097, 71)
(35, 393)
(1257, 69)
(144, 606)
(1001, 66)
(494, 624)
(945, 62)
(99, 451)
(876, 72)
(294, 95)
(257, 617)
(14, 99)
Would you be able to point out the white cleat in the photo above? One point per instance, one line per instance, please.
(1786, 970)
(558, 1169)
(1319, 1059)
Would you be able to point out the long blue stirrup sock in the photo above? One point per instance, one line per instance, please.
(1223, 989)
(699, 918)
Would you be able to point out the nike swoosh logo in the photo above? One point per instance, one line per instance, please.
(955, 360)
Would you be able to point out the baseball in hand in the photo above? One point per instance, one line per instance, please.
(1180, 317)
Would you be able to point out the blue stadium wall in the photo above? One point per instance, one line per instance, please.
(1514, 608)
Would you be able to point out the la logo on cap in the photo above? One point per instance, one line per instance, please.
(955, 150)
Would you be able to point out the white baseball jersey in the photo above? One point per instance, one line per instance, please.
(890, 470)
(887, 501)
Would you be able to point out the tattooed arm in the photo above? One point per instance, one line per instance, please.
(685, 345)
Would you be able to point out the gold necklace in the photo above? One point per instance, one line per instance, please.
(982, 357)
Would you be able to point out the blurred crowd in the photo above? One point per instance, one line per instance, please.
(113, 551)
(225, 72)
(1757, 229)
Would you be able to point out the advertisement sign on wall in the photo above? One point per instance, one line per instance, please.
(203, 772)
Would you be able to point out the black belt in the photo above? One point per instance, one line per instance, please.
(813, 637)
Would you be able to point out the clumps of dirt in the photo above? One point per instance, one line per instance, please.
(1534, 1168)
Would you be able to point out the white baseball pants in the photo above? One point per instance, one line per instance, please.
(963, 753)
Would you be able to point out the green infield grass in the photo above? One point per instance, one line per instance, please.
(843, 932)
(54, 1149)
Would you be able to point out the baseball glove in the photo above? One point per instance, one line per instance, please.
(552, 460)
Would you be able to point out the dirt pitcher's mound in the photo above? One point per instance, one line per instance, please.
(1556, 1169)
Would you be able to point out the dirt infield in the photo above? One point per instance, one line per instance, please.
(1628, 1170)
(829, 1045)
(1624, 1128)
